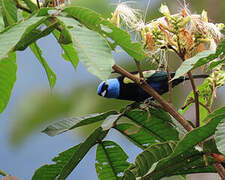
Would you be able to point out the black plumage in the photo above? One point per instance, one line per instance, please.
(158, 81)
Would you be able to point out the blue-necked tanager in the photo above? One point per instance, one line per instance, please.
(125, 89)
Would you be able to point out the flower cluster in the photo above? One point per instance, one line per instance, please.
(185, 33)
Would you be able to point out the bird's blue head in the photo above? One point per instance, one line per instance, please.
(109, 88)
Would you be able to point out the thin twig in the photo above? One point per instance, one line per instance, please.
(20, 6)
(192, 101)
(169, 83)
(139, 68)
(214, 86)
(196, 95)
(145, 86)
(172, 48)
(220, 169)
(132, 106)
(38, 4)
(154, 104)
(203, 105)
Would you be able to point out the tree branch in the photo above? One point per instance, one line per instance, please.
(169, 83)
(190, 101)
(220, 169)
(145, 86)
(183, 56)
(196, 98)
(38, 4)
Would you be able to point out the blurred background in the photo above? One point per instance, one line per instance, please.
(23, 148)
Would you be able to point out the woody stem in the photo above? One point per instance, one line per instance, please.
(145, 86)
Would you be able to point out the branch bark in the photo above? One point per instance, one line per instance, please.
(38, 4)
(220, 169)
(196, 98)
(167, 106)
(169, 83)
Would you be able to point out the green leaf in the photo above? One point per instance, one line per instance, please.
(197, 135)
(220, 137)
(216, 63)
(189, 64)
(145, 160)
(136, 134)
(188, 142)
(158, 123)
(69, 159)
(11, 36)
(44, 11)
(129, 175)
(9, 12)
(31, 5)
(69, 52)
(94, 21)
(38, 53)
(35, 32)
(93, 139)
(210, 147)
(199, 60)
(92, 49)
(111, 161)
(8, 68)
(65, 37)
(74, 122)
(36, 111)
(188, 162)
(110, 121)
(152, 164)
(49, 172)
(1, 22)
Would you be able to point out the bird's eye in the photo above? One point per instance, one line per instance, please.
(103, 93)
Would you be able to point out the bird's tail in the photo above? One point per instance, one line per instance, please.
(198, 76)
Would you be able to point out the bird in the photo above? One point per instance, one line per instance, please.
(125, 89)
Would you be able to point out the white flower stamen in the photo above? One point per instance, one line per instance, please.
(131, 17)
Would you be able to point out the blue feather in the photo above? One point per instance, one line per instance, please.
(121, 88)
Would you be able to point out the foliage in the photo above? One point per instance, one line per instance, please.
(220, 137)
(8, 70)
(110, 161)
(86, 36)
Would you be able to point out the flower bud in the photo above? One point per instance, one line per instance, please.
(204, 16)
(164, 10)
